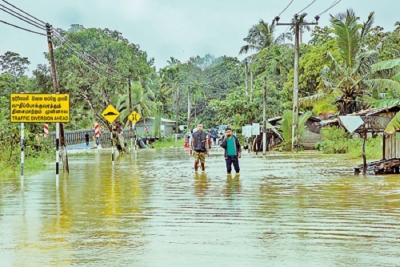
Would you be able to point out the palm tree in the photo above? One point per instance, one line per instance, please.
(346, 78)
(141, 102)
(286, 126)
(391, 98)
(261, 35)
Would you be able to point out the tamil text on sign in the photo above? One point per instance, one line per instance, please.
(39, 108)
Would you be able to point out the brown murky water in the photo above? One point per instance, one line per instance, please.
(151, 209)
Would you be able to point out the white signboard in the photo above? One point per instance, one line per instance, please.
(351, 123)
(246, 130)
(255, 129)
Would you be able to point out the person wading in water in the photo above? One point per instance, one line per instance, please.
(233, 151)
(199, 147)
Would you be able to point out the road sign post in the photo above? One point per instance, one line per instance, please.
(134, 117)
(110, 114)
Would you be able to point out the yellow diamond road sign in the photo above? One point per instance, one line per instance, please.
(110, 113)
(134, 117)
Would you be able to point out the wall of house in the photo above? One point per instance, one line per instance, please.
(309, 139)
(392, 147)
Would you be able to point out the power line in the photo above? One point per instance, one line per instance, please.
(87, 56)
(21, 17)
(83, 56)
(335, 2)
(283, 9)
(2, 21)
(24, 12)
(306, 7)
(87, 62)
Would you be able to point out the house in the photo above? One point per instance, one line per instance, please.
(373, 122)
(310, 137)
(145, 127)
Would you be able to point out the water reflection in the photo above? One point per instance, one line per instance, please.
(151, 209)
(201, 184)
(233, 186)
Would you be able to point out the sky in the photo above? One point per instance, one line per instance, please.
(174, 28)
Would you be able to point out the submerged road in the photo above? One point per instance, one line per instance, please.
(151, 209)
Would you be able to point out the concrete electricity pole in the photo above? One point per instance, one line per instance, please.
(297, 23)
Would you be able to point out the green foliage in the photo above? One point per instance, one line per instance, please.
(334, 141)
(168, 142)
(373, 148)
(261, 35)
(286, 127)
(337, 141)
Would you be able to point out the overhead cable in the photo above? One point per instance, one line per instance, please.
(306, 7)
(335, 2)
(286, 7)
(2, 21)
(86, 61)
(21, 17)
(24, 12)
(86, 57)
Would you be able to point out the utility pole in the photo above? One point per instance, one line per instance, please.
(297, 22)
(130, 112)
(59, 126)
(247, 76)
(265, 117)
(189, 109)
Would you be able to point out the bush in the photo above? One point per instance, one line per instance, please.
(336, 141)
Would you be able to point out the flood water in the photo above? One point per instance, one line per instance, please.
(151, 209)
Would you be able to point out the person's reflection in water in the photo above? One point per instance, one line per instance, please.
(233, 186)
(200, 184)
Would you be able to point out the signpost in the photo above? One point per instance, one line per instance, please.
(110, 114)
(26, 108)
(39, 108)
(134, 117)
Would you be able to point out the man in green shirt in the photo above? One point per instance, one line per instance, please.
(233, 151)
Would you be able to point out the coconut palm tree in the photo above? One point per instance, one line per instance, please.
(391, 97)
(346, 77)
(261, 35)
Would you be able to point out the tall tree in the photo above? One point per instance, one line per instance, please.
(347, 74)
(261, 35)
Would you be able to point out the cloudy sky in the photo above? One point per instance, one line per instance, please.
(174, 28)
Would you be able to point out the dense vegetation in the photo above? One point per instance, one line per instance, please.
(345, 67)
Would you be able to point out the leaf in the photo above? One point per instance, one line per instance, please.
(384, 84)
(270, 126)
(387, 64)
(386, 103)
(311, 101)
(394, 125)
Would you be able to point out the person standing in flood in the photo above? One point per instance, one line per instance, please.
(87, 138)
(233, 151)
(199, 147)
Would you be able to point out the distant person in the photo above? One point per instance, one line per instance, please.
(87, 138)
(233, 151)
(199, 147)
(214, 136)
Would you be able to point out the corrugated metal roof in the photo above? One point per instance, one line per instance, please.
(375, 111)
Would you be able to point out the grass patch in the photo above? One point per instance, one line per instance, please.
(168, 142)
